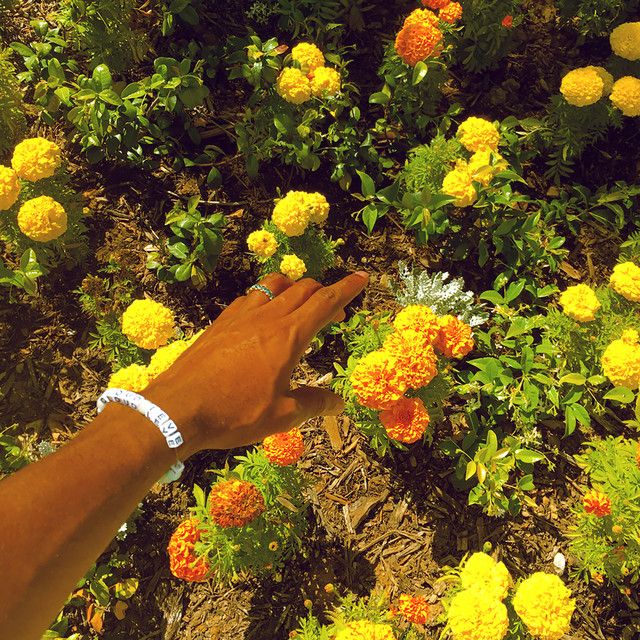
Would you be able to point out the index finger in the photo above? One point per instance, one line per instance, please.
(323, 306)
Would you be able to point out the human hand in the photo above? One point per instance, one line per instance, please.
(232, 387)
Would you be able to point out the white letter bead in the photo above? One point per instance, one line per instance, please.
(175, 440)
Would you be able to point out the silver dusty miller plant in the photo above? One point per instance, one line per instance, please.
(444, 296)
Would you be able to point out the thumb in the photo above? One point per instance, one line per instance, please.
(314, 401)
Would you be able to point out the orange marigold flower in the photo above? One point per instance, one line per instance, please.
(435, 4)
(455, 339)
(183, 561)
(414, 608)
(638, 454)
(406, 420)
(597, 503)
(235, 503)
(418, 41)
(283, 449)
(416, 358)
(377, 380)
(421, 16)
(507, 21)
(419, 319)
(451, 13)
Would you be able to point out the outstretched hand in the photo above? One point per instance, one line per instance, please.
(233, 386)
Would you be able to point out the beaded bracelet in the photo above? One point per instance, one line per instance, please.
(160, 419)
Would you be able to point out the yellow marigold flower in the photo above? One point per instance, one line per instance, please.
(606, 77)
(421, 16)
(183, 561)
(419, 319)
(625, 40)
(293, 85)
(621, 360)
(317, 207)
(148, 324)
(325, 82)
(474, 615)
(478, 134)
(455, 337)
(625, 95)
(597, 503)
(377, 380)
(458, 183)
(36, 158)
(42, 219)
(625, 280)
(483, 165)
(165, 356)
(579, 302)
(545, 606)
(262, 243)
(416, 358)
(9, 188)
(582, 87)
(417, 41)
(235, 503)
(405, 420)
(292, 267)
(291, 214)
(135, 378)
(435, 4)
(284, 449)
(451, 13)
(365, 630)
(308, 56)
(414, 608)
(482, 572)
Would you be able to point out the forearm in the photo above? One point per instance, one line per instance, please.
(60, 514)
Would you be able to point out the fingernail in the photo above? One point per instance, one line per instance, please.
(362, 274)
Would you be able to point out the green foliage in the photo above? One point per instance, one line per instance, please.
(24, 275)
(179, 11)
(118, 349)
(610, 545)
(192, 251)
(12, 120)
(597, 17)
(15, 453)
(104, 31)
(240, 550)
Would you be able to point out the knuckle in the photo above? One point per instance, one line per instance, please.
(327, 294)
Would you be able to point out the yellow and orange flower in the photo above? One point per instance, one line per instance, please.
(377, 380)
(414, 608)
(451, 13)
(597, 503)
(417, 41)
(284, 449)
(183, 561)
(416, 358)
(422, 16)
(436, 4)
(405, 420)
(235, 503)
(420, 320)
(455, 338)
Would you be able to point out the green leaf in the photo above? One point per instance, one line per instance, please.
(368, 185)
(214, 178)
(379, 98)
(527, 456)
(419, 73)
(518, 326)
(573, 378)
(582, 415)
(370, 216)
(183, 272)
(526, 483)
(102, 77)
(620, 394)
(101, 592)
(126, 589)
(492, 296)
(471, 470)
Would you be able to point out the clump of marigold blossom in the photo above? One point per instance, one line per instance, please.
(418, 319)
(421, 16)
(455, 339)
(482, 572)
(579, 302)
(135, 378)
(544, 604)
(416, 358)
(262, 243)
(235, 503)
(365, 630)
(414, 608)
(148, 324)
(582, 87)
(293, 267)
(478, 134)
(483, 165)
(291, 213)
(625, 95)
(451, 13)
(317, 207)
(417, 41)
(308, 56)
(36, 158)
(597, 503)
(183, 561)
(283, 449)
(625, 280)
(165, 356)
(293, 85)
(621, 360)
(606, 77)
(9, 188)
(325, 82)
(405, 420)
(474, 616)
(42, 219)
(625, 40)
(377, 380)
(458, 183)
